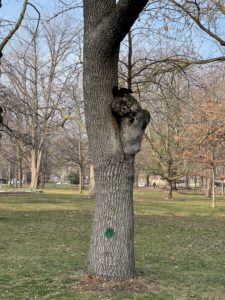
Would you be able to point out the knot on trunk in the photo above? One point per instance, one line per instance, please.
(132, 121)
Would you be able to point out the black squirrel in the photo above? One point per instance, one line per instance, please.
(120, 92)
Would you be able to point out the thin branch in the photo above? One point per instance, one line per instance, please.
(63, 11)
(168, 65)
(39, 17)
(36, 29)
(219, 5)
(198, 22)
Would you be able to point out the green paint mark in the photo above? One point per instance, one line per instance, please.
(109, 233)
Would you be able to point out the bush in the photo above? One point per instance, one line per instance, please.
(73, 177)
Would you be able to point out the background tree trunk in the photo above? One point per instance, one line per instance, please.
(169, 190)
(11, 173)
(222, 188)
(36, 157)
(81, 179)
(91, 188)
(213, 188)
(20, 173)
(186, 181)
(209, 188)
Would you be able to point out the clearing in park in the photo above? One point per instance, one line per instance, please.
(179, 248)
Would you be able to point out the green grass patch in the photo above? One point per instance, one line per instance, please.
(179, 246)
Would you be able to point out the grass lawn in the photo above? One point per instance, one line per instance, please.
(179, 246)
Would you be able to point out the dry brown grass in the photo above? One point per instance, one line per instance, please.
(96, 284)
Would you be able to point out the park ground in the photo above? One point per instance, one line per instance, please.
(44, 237)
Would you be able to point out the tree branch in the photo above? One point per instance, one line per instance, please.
(124, 16)
(198, 22)
(16, 27)
(113, 22)
(174, 64)
(63, 11)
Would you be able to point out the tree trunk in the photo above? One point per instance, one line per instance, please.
(209, 188)
(174, 186)
(17, 177)
(169, 190)
(213, 188)
(195, 181)
(20, 173)
(43, 179)
(36, 157)
(81, 179)
(115, 129)
(222, 188)
(11, 175)
(111, 253)
(202, 182)
(186, 182)
(91, 188)
(129, 62)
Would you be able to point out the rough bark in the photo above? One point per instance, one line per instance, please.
(111, 253)
(115, 128)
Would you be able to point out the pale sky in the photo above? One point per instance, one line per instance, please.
(11, 8)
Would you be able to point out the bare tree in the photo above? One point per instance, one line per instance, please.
(39, 82)
(166, 132)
